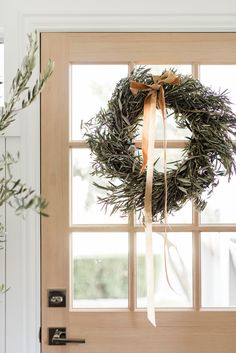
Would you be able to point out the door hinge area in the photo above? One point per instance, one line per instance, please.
(40, 335)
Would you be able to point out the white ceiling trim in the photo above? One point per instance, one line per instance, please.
(149, 22)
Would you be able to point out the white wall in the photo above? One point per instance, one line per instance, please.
(22, 262)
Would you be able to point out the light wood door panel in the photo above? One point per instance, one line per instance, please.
(119, 331)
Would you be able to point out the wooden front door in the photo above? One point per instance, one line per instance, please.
(96, 260)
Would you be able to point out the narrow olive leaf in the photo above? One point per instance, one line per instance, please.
(184, 180)
(182, 189)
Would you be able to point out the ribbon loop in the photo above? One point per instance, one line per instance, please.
(168, 77)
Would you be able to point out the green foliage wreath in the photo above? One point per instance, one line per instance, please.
(209, 152)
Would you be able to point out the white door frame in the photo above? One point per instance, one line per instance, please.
(30, 125)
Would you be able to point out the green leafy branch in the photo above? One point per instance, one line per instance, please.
(15, 193)
(12, 190)
(19, 86)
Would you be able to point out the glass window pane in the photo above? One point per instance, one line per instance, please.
(179, 268)
(221, 205)
(180, 69)
(220, 77)
(1, 74)
(85, 206)
(218, 263)
(100, 270)
(91, 88)
(172, 131)
(184, 215)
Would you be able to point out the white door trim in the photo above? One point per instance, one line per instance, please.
(30, 133)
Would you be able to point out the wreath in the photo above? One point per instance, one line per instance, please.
(208, 153)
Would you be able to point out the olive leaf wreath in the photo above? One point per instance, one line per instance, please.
(208, 153)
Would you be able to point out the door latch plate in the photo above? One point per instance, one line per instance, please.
(57, 298)
(51, 333)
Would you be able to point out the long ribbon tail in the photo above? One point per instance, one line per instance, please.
(165, 262)
(163, 111)
(150, 110)
(150, 275)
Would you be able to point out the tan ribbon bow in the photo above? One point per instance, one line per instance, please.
(156, 96)
(154, 99)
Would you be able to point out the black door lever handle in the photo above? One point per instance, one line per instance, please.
(57, 336)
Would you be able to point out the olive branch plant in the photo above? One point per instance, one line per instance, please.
(13, 191)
